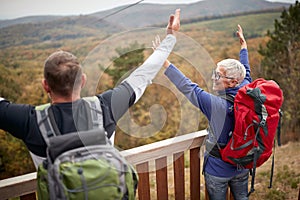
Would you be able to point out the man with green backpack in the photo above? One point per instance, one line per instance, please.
(71, 138)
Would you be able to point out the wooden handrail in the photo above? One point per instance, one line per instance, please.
(25, 186)
(18, 186)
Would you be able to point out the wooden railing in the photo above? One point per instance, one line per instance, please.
(160, 153)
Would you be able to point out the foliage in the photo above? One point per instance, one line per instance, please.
(281, 62)
(129, 57)
(8, 88)
(15, 159)
(21, 70)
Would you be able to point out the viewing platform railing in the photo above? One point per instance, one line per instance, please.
(163, 156)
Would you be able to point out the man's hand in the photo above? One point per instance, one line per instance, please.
(240, 34)
(174, 22)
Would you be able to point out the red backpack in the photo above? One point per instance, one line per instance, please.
(256, 113)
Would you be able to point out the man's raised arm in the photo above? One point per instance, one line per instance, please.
(143, 75)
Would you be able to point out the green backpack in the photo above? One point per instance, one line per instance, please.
(83, 164)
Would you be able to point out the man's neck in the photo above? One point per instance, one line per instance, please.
(60, 99)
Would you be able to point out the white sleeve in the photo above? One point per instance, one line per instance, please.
(1, 99)
(143, 75)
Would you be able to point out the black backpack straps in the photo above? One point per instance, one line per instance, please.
(53, 122)
(256, 150)
(44, 122)
(272, 166)
(228, 97)
(279, 128)
(96, 112)
(48, 126)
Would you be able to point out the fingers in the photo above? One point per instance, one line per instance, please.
(157, 39)
(174, 22)
(177, 16)
(239, 28)
(153, 46)
(171, 20)
(241, 37)
(156, 42)
(239, 32)
(170, 25)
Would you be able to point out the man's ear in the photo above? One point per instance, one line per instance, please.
(46, 85)
(83, 80)
(233, 83)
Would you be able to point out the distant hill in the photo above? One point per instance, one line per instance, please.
(30, 19)
(151, 14)
(35, 29)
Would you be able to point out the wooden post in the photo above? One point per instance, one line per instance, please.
(195, 173)
(178, 165)
(161, 178)
(144, 185)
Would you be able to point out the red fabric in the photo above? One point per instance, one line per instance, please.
(244, 112)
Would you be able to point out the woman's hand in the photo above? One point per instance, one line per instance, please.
(240, 34)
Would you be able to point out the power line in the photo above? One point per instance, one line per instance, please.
(131, 5)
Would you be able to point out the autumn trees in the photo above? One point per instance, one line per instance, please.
(281, 63)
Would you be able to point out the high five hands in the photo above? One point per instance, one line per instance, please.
(173, 26)
(174, 22)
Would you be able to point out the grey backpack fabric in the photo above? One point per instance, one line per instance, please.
(82, 164)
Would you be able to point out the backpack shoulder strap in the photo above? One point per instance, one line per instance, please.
(96, 111)
(44, 123)
(228, 97)
(48, 127)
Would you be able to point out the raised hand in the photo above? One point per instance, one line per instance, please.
(240, 34)
(174, 22)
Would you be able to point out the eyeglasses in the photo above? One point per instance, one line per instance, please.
(217, 76)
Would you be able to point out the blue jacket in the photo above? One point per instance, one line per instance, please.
(218, 111)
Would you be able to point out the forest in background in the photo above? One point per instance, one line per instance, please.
(21, 73)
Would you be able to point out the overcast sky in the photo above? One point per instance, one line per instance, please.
(10, 9)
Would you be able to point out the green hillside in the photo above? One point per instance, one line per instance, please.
(254, 24)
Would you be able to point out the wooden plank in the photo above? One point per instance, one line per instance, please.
(31, 196)
(164, 148)
(144, 184)
(161, 178)
(195, 173)
(18, 186)
(179, 180)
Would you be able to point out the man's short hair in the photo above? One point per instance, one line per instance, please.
(63, 72)
(234, 69)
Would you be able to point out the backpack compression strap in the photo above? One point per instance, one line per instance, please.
(96, 111)
(48, 126)
(44, 123)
